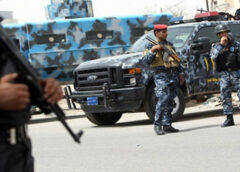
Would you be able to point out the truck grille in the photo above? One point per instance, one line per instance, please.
(93, 79)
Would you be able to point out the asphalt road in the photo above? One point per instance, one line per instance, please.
(132, 146)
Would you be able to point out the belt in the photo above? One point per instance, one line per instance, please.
(14, 135)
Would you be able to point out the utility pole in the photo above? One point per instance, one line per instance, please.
(207, 5)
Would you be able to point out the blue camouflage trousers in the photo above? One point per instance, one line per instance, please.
(166, 83)
(229, 80)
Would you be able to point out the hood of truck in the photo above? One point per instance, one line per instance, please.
(124, 60)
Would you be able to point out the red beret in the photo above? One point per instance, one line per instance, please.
(160, 26)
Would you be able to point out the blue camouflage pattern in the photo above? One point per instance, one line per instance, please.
(228, 79)
(165, 90)
(56, 47)
(60, 9)
(166, 82)
(199, 70)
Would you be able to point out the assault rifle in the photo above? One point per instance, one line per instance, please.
(169, 51)
(28, 75)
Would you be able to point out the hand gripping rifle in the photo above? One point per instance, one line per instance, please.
(170, 52)
(28, 75)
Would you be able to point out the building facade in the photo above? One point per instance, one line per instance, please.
(229, 6)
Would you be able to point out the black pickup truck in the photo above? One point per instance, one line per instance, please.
(108, 87)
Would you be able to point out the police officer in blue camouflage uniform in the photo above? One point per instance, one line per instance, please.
(226, 57)
(15, 145)
(237, 14)
(166, 78)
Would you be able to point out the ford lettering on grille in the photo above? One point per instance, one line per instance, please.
(92, 77)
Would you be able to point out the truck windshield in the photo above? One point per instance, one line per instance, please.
(140, 44)
(178, 36)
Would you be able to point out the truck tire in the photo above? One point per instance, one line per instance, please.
(104, 118)
(151, 100)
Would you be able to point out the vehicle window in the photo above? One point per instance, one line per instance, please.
(235, 29)
(99, 35)
(140, 44)
(50, 38)
(138, 32)
(207, 32)
(178, 36)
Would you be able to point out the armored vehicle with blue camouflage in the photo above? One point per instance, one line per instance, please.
(71, 35)
(108, 87)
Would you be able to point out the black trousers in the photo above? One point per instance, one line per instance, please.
(17, 157)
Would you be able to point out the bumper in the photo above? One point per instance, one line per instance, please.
(110, 100)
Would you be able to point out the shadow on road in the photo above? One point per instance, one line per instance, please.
(200, 115)
(128, 124)
(204, 127)
(53, 119)
(204, 114)
(186, 117)
(201, 127)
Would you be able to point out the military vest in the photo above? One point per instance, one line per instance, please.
(165, 60)
(229, 58)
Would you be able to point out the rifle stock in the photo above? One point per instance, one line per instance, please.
(28, 75)
(173, 55)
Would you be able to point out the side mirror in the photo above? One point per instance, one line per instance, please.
(200, 46)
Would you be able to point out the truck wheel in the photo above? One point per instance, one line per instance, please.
(104, 118)
(151, 100)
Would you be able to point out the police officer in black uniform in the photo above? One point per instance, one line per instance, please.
(15, 145)
(225, 54)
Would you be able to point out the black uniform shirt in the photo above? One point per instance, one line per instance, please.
(10, 119)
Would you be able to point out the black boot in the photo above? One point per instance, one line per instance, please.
(170, 129)
(229, 121)
(158, 130)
